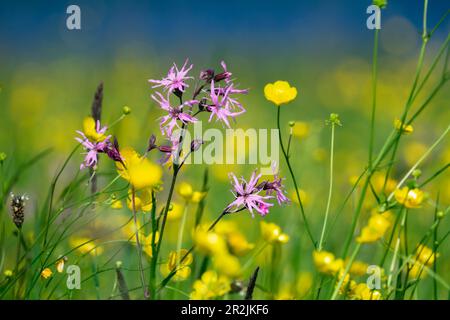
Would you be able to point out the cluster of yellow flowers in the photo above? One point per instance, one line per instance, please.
(224, 244)
(424, 257)
(376, 227)
(325, 262)
(139, 171)
(177, 264)
(272, 233)
(210, 286)
(410, 198)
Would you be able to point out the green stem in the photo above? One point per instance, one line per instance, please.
(418, 162)
(330, 190)
(347, 268)
(308, 230)
(181, 230)
(374, 95)
(138, 244)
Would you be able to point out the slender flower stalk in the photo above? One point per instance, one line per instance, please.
(374, 95)
(346, 271)
(286, 157)
(181, 229)
(138, 243)
(418, 162)
(333, 121)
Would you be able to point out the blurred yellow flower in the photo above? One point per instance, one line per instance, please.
(236, 241)
(410, 198)
(280, 92)
(326, 262)
(304, 283)
(303, 197)
(362, 292)
(182, 269)
(272, 233)
(285, 293)
(376, 227)
(358, 268)
(210, 286)
(186, 191)
(116, 204)
(238, 244)
(425, 255)
(413, 151)
(147, 242)
(404, 128)
(227, 265)
(208, 242)
(46, 273)
(142, 200)
(85, 245)
(300, 129)
(139, 171)
(175, 211)
(378, 182)
(90, 130)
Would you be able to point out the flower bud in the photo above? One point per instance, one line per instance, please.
(126, 110)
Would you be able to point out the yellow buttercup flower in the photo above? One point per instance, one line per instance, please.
(182, 269)
(404, 128)
(90, 130)
(410, 198)
(358, 268)
(272, 233)
(46, 273)
(236, 241)
(362, 292)
(209, 242)
(211, 285)
(280, 92)
(175, 211)
(139, 171)
(238, 244)
(142, 200)
(326, 262)
(186, 191)
(85, 246)
(227, 265)
(376, 227)
(379, 183)
(425, 255)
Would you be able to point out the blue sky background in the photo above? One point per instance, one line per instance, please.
(36, 29)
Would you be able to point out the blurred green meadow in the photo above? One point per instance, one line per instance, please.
(45, 97)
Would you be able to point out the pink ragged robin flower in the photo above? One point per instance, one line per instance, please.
(247, 196)
(175, 79)
(222, 106)
(169, 121)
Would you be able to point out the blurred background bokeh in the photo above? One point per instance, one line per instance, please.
(48, 76)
